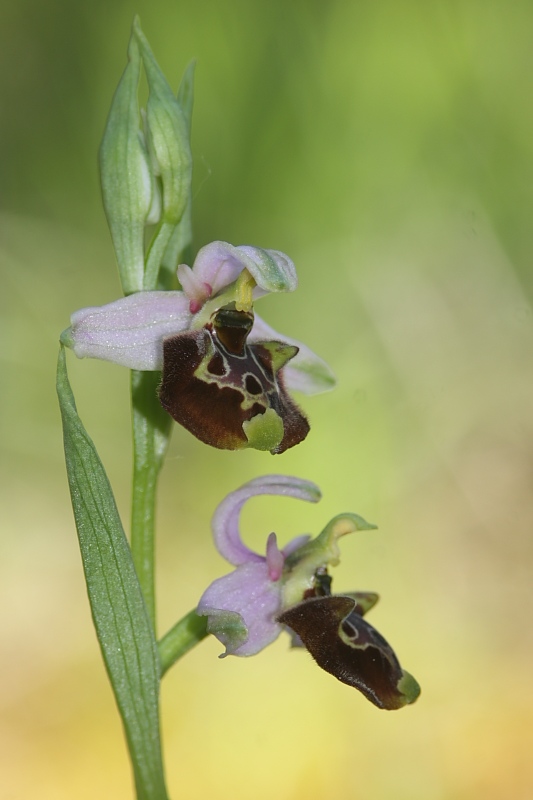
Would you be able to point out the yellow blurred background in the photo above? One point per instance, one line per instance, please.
(387, 147)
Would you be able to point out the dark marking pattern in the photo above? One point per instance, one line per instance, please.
(252, 385)
(213, 381)
(333, 630)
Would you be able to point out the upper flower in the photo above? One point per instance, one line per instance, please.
(225, 371)
(290, 587)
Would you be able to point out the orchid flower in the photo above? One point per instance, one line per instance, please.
(226, 373)
(289, 588)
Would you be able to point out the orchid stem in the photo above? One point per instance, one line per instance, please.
(185, 634)
(155, 254)
(151, 431)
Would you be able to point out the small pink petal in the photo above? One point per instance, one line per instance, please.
(195, 289)
(274, 558)
(217, 265)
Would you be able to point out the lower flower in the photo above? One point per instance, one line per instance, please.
(291, 589)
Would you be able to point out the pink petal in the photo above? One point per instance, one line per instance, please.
(196, 290)
(225, 523)
(217, 264)
(220, 263)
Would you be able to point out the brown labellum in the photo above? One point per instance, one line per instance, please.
(213, 381)
(345, 645)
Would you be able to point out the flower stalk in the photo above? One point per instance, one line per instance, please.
(182, 637)
(151, 433)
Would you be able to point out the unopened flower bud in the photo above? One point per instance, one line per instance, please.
(167, 135)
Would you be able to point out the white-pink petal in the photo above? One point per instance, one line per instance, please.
(306, 372)
(130, 331)
(272, 270)
(219, 263)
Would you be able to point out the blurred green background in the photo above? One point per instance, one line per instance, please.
(387, 147)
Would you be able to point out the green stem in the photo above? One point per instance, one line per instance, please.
(151, 431)
(156, 252)
(180, 639)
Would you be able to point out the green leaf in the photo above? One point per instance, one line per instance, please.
(119, 612)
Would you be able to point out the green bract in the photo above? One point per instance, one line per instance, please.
(146, 177)
(125, 176)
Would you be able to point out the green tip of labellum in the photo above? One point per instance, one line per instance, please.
(229, 628)
(364, 601)
(409, 688)
(66, 338)
(264, 431)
